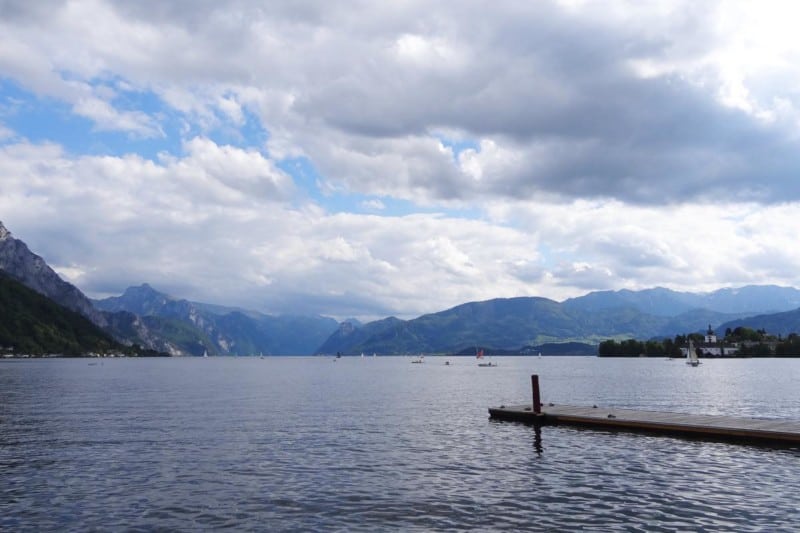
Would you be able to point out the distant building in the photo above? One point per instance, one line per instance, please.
(711, 346)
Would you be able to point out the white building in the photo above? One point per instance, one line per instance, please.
(711, 346)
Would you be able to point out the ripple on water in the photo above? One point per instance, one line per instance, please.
(294, 444)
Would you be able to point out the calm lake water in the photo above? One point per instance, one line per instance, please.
(304, 443)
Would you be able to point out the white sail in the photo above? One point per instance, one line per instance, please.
(691, 355)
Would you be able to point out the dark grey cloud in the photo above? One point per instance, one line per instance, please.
(22, 11)
(562, 91)
(557, 88)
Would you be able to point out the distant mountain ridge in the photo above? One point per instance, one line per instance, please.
(142, 300)
(659, 301)
(781, 324)
(157, 321)
(223, 330)
(513, 323)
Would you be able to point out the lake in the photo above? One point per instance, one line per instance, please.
(313, 443)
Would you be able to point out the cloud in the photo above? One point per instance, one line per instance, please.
(181, 226)
(610, 245)
(207, 177)
(373, 205)
(644, 104)
(126, 220)
(106, 117)
(587, 146)
(6, 133)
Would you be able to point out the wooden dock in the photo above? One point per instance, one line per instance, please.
(703, 426)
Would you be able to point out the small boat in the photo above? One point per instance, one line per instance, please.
(479, 355)
(691, 355)
(420, 359)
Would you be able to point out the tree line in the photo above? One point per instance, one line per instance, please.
(751, 343)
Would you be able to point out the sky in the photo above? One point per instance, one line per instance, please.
(368, 159)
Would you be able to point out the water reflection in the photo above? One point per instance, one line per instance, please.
(537, 439)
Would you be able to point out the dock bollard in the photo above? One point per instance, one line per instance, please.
(537, 402)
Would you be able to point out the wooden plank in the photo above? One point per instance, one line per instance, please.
(709, 426)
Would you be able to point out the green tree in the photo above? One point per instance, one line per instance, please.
(743, 334)
(790, 347)
(758, 349)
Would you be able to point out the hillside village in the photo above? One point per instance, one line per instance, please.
(736, 342)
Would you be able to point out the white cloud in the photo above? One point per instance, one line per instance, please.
(373, 205)
(429, 53)
(106, 117)
(687, 247)
(231, 108)
(6, 133)
(621, 144)
(340, 250)
(128, 220)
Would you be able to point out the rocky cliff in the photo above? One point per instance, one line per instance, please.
(32, 271)
(220, 330)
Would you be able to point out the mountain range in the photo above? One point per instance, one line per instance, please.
(224, 330)
(526, 324)
(668, 303)
(156, 321)
(153, 320)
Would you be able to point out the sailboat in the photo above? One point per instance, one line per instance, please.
(479, 355)
(691, 355)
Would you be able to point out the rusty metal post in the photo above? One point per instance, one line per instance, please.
(537, 402)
